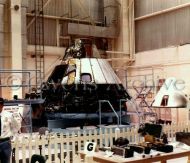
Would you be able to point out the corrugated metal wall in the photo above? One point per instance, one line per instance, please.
(72, 8)
(49, 32)
(168, 29)
(64, 8)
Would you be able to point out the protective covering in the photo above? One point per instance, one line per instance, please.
(170, 95)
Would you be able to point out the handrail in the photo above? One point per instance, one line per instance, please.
(100, 111)
(120, 101)
(29, 85)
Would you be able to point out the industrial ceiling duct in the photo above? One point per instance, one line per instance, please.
(170, 95)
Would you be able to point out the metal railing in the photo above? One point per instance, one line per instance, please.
(28, 84)
(100, 111)
(120, 106)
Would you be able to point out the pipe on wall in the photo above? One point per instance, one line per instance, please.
(158, 65)
(132, 33)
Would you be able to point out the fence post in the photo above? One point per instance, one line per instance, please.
(117, 133)
(88, 159)
(70, 144)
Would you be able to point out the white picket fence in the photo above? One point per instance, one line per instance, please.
(63, 148)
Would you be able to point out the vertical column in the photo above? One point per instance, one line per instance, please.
(16, 45)
(58, 32)
(122, 43)
(1, 34)
(132, 29)
(125, 26)
(1, 40)
(125, 41)
(188, 161)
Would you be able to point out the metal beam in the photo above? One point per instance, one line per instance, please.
(64, 18)
(32, 21)
(162, 11)
(117, 52)
(57, 33)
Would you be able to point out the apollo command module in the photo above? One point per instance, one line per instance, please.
(76, 87)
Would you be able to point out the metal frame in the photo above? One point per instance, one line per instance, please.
(100, 111)
(21, 72)
(17, 72)
(24, 101)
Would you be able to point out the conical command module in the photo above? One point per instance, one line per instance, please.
(83, 91)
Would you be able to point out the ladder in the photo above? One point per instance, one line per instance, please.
(39, 42)
(146, 108)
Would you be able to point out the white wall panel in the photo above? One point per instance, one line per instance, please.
(184, 1)
(170, 29)
(182, 26)
(171, 62)
(49, 32)
(143, 7)
(170, 3)
(156, 5)
(164, 30)
(155, 34)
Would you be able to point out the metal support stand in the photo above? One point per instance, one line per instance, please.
(100, 111)
(120, 105)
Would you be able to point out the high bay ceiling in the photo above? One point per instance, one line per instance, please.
(84, 18)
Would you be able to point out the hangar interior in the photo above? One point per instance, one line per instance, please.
(145, 41)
